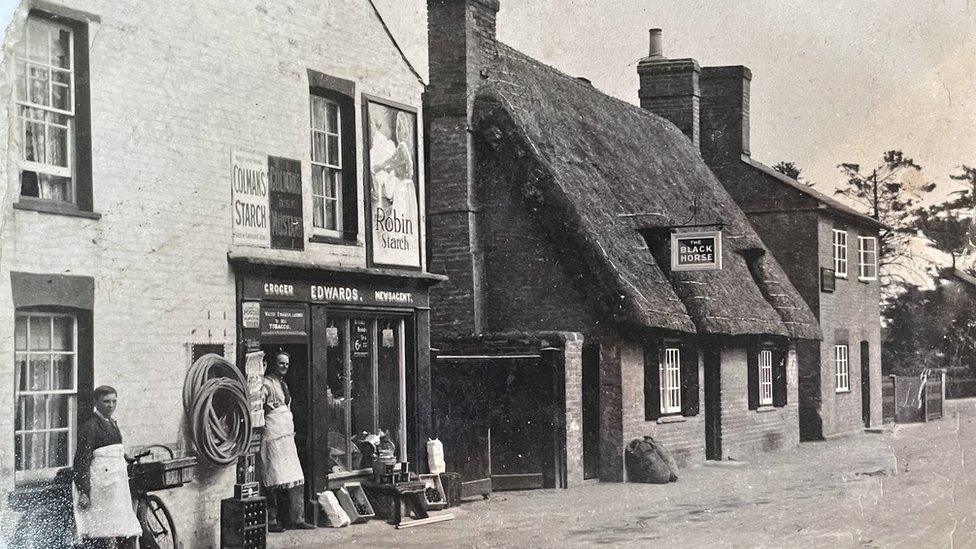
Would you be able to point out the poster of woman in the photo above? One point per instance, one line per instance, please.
(395, 214)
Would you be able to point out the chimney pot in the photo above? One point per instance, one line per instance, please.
(656, 50)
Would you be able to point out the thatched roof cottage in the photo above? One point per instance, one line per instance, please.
(552, 210)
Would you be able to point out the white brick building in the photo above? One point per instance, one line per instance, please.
(131, 236)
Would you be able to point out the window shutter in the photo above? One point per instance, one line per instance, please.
(689, 380)
(350, 203)
(779, 378)
(652, 380)
(753, 378)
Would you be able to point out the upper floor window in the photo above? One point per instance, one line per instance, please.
(840, 253)
(46, 388)
(843, 372)
(332, 131)
(326, 165)
(868, 257)
(52, 111)
(45, 105)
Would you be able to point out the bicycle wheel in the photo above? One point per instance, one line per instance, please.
(159, 532)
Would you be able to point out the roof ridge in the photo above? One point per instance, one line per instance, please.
(576, 81)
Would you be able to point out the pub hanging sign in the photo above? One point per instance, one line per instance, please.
(698, 251)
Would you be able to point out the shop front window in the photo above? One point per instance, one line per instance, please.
(365, 372)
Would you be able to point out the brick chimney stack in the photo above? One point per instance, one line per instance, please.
(709, 104)
(670, 88)
(462, 48)
(725, 114)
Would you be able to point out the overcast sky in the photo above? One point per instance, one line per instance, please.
(838, 81)
(833, 82)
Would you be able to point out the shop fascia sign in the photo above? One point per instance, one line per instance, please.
(294, 290)
(696, 251)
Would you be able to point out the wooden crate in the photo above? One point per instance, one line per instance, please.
(434, 481)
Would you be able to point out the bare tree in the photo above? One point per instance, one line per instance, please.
(883, 194)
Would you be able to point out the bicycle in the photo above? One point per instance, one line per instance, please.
(158, 528)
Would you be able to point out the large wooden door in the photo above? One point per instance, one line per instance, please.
(497, 420)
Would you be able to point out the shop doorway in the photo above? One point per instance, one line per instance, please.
(297, 381)
(713, 405)
(591, 411)
(865, 384)
(359, 386)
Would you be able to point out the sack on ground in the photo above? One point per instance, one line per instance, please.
(650, 462)
(334, 513)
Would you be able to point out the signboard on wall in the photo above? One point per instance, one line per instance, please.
(254, 373)
(280, 289)
(251, 222)
(276, 320)
(360, 337)
(698, 251)
(394, 210)
(828, 279)
(285, 201)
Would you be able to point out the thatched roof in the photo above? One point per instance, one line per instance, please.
(602, 169)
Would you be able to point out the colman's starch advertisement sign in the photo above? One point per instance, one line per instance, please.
(251, 217)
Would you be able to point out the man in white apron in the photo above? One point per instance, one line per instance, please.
(281, 471)
(103, 504)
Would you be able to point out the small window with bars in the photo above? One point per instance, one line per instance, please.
(670, 371)
(868, 255)
(765, 377)
(46, 389)
(326, 130)
(840, 253)
(843, 374)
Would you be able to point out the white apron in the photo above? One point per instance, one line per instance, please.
(279, 456)
(110, 514)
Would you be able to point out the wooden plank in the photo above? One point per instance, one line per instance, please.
(425, 521)
(529, 481)
(480, 487)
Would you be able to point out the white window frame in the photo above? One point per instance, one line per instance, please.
(669, 371)
(867, 258)
(25, 106)
(765, 377)
(840, 253)
(21, 473)
(331, 166)
(843, 370)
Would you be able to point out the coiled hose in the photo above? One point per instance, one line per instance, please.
(217, 409)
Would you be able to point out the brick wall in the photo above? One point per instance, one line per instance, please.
(791, 229)
(175, 88)
(850, 314)
(685, 438)
(747, 432)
